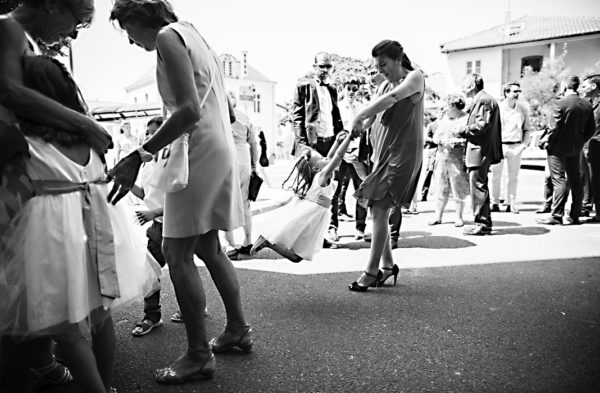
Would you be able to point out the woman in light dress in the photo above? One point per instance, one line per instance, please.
(188, 74)
(450, 176)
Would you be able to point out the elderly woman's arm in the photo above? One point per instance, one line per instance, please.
(413, 83)
(30, 104)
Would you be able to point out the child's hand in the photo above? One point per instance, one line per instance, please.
(341, 136)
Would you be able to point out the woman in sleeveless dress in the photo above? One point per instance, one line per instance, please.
(48, 22)
(396, 116)
(191, 86)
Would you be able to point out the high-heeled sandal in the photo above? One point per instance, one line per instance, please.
(228, 341)
(356, 287)
(54, 373)
(394, 272)
(170, 376)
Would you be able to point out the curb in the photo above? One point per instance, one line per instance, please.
(273, 206)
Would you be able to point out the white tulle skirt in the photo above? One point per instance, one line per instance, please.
(47, 277)
(302, 227)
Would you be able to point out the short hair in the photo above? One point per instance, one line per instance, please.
(593, 78)
(158, 120)
(572, 82)
(475, 80)
(325, 55)
(393, 50)
(146, 13)
(506, 88)
(456, 100)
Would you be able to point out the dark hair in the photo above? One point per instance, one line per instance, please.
(475, 80)
(507, 86)
(82, 9)
(158, 120)
(394, 51)
(302, 174)
(572, 82)
(146, 13)
(50, 77)
(456, 100)
(593, 78)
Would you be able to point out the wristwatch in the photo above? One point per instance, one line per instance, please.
(144, 155)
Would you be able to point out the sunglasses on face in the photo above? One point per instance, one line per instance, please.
(516, 91)
(324, 66)
(352, 88)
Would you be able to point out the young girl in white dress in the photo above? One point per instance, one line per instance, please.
(307, 218)
(70, 256)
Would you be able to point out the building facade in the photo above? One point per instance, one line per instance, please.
(254, 92)
(500, 53)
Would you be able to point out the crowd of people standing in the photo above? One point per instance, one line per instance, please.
(61, 275)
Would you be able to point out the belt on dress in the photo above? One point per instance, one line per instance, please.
(325, 138)
(97, 226)
(320, 200)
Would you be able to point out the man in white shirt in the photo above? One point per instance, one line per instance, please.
(515, 138)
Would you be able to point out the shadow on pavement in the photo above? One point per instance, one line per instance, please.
(526, 231)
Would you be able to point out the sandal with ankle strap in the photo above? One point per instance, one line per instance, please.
(228, 341)
(356, 287)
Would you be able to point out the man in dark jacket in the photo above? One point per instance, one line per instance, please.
(316, 115)
(572, 125)
(317, 119)
(484, 148)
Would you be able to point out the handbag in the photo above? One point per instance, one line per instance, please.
(254, 186)
(172, 175)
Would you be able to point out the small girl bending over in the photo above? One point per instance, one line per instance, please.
(308, 216)
(70, 256)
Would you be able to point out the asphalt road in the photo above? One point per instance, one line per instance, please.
(514, 312)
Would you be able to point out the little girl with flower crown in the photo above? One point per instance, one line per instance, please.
(307, 218)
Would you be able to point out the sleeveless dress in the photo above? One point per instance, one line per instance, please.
(212, 198)
(304, 222)
(397, 138)
(69, 251)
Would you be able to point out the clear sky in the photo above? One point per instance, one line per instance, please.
(281, 37)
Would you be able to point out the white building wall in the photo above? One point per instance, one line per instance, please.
(491, 69)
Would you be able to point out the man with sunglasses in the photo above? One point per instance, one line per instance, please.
(316, 116)
(515, 138)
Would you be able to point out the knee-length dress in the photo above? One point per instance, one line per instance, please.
(68, 251)
(212, 198)
(397, 139)
(304, 222)
(449, 175)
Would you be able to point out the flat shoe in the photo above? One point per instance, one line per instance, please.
(170, 376)
(434, 222)
(144, 327)
(228, 341)
(459, 223)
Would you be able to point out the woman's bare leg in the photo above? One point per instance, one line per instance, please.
(224, 275)
(381, 236)
(179, 253)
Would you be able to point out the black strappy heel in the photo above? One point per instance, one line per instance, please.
(395, 270)
(356, 287)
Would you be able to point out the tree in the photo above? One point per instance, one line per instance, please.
(539, 89)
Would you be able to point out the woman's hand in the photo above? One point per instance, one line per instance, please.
(123, 176)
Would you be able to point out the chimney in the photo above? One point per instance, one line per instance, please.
(244, 63)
